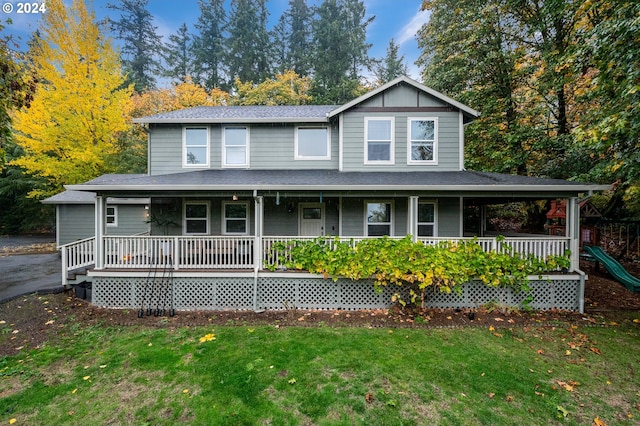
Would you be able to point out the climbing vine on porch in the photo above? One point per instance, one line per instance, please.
(414, 266)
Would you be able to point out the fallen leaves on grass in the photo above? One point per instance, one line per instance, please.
(598, 422)
(207, 338)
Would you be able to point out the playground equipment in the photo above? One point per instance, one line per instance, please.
(614, 267)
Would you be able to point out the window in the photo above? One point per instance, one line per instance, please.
(379, 140)
(235, 218)
(112, 216)
(235, 147)
(426, 219)
(422, 140)
(378, 219)
(312, 143)
(195, 146)
(196, 218)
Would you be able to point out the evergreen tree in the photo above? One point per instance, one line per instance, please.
(391, 66)
(141, 43)
(178, 55)
(292, 39)
(16, 90)
(248, 44)
(339, 37)
(209, 47)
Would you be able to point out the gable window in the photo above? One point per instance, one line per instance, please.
(426, 219)
(196, 217)
(379, 141)
(112, 216)
(422, 140)
(379, 220)
(235, 147)
(195, 150)
(312, 143)
(235, 218)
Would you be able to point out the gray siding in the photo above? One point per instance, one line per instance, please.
(283, 219)
(271, 147)
(77, 221)
(448, 141)
(449, 217)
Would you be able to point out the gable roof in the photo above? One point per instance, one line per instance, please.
(469, 113)
(244, 114)
(289, 113)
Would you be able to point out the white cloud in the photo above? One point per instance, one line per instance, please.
(409, 31)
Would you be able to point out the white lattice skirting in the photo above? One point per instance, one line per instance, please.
(272, 291)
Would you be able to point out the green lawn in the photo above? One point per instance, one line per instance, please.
(271, 375)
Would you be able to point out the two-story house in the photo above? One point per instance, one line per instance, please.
(225, 183)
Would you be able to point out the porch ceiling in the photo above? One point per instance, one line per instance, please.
(477, 184)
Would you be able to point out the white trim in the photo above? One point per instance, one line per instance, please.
(114, 224)
(432, 162)
(297, 155)
(391, 216)
(187, 165)
(461, 140)
(207, 204)
(224, 217)
(392, 144)
(341, 142)
(247, 148)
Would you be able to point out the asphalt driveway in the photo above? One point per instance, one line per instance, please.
(27, 273)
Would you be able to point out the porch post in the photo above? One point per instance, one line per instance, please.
(100, 227)
(258, 223)
(412, 217)
(573, 231)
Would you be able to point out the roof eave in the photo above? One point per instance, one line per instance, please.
(238, 120)
(577, 188)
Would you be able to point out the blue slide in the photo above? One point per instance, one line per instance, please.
(614, 267)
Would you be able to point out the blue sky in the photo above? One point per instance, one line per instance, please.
(397, 19)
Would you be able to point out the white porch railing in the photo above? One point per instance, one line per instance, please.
(77, 255)
(229, 252)
(192, 252)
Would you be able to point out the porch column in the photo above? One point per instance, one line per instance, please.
(101, 207)
(573, 231)
(258, 224)
(412, 218)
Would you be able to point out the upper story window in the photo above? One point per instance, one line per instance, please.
(422, 140)
(112, 216)
(312, 143)
(235, 147)
(379, 219)
(236, 218)
(195, 142)
(196, 218)
(379, 140)
(426, 219)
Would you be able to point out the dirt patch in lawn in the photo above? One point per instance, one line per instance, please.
(31, 321)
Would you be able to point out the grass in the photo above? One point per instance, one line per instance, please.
(345, 376)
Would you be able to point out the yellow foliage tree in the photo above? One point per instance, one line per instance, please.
(182, 95)
(287, 88)
(80, 105)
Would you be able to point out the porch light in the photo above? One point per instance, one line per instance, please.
(235, 197)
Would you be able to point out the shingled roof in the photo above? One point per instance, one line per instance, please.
(244, 114)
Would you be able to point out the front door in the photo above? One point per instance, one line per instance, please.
(311, 219)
